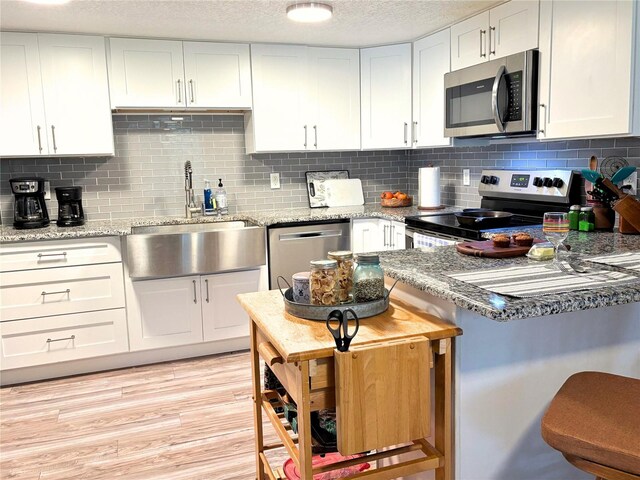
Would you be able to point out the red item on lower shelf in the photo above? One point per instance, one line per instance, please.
(292, 472)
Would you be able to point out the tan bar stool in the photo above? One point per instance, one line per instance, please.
(594, 421)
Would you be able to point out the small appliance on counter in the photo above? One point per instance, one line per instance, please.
(70, 212)
(30, 209)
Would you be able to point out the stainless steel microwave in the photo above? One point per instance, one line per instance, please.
(496, 98)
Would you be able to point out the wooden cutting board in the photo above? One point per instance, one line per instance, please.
(486, 249)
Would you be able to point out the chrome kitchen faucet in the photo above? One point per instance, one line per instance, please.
(190, 204)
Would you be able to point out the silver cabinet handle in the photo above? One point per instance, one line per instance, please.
(67, 291)
(50, 340)
(415, 132)
(305, 136)
(542, 130)
(405, 132)
(191, 90)
(53, 134)
(206, 284)
(179, 91)
(492, 44)
(392, 242)
(39, 140)
(62, 254)
(384, 236)
(315, 132)
(195, 294)
(482, 53)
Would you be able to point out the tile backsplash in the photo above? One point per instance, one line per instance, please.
(145, 177)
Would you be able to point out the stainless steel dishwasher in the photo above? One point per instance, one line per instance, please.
(293, 246)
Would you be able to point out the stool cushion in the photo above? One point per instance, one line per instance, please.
(596, 416)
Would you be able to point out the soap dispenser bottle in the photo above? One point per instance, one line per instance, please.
(208, 198)
(221, 198)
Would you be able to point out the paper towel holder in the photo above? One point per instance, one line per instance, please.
(431, 207)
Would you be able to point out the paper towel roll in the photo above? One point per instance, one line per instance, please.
(429, 187)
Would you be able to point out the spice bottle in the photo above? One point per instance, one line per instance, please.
(574, 217)
(345, 274)
(368, 279)
(323, 282)
(587, 219)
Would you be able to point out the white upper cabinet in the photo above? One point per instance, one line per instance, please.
(304, 98)
(504, 30)
(431, 60)
(54, 96)
(333, 98)
(217, 75)
(76, 94)
(469, 42)
(386, 96)
(22, 121)
(146, 73)
(587, 67)
(173, 74)
(279, 96)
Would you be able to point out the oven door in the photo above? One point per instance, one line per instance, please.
(493, 98)
(415, 238)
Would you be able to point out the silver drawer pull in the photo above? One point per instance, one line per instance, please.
(63, 254)
(67, 291)
(195, 294)
(206, 282)
(50, 340)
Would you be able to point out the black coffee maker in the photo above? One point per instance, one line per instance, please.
(70, 212)
(30, 210)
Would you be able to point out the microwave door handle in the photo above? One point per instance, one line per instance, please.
(494, 99)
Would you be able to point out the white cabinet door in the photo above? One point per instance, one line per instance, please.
(146, 73)
(386, 96)
(279, 98)
(217, 75)
(431, 60)
(513, 28)
(586, 75)
(397, 236)
(22, 121)
(469, 45)
(222, 315)
(164, 313)
(334, 99)
(367, 235)
(76, 94)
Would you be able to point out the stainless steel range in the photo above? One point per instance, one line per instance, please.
(525, 193)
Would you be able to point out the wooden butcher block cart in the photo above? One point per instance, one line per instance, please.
(381, 388)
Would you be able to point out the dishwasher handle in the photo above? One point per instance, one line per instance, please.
(304, 235)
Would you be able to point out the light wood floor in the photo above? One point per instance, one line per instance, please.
(190, 419)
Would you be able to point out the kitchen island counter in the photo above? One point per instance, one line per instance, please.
(101, 228)
(426, 270)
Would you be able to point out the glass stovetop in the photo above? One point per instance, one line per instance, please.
(447, 224)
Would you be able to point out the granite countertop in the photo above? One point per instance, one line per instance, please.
(99, 228)
(426, 269)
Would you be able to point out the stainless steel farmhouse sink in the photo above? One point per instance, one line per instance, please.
(158, 251)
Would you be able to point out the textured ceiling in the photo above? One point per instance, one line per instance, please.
(355, 22)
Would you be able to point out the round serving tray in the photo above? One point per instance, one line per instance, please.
(321, 312)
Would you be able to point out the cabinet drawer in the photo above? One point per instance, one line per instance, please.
(25, 343)
(57, 291)
(59, 253)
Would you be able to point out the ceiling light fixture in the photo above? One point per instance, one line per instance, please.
(49, 2)
(309, 12)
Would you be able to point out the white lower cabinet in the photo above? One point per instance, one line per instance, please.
(180, 311)
(37, 341)
(164, 313)
(376, 235)
(222, 315)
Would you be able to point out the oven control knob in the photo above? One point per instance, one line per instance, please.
(537, 182)
(493, 180)
(547, 182)
(557, 182)
(484, 179)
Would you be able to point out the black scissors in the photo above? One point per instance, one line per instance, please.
(341, 334)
